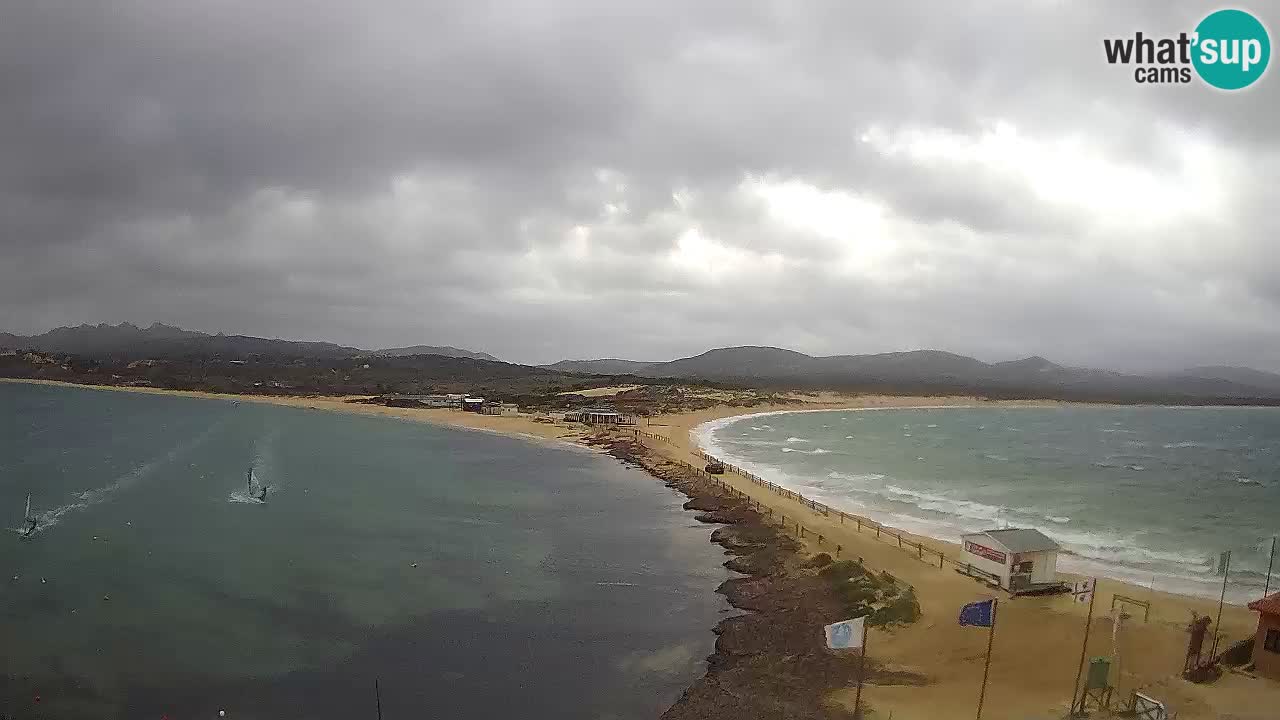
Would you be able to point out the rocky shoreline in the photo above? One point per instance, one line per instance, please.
(770, 661)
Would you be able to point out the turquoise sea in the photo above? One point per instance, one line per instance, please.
(1144, 494)
(471, 575)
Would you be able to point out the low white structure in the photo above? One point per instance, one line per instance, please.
(1018, 559)
(445, 401)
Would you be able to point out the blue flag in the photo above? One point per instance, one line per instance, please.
(978, 614)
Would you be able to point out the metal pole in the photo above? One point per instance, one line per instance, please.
(377, 694)
(862, 670)
(991, 638)
(1088, 622)
(1270, 562)
(1217, 623)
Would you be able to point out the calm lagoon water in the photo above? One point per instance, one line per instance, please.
(550, 582)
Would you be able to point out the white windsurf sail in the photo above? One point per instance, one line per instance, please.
(27, 516)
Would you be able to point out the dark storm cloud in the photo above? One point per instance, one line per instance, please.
(542, 180)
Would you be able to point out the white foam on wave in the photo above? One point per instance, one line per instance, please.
(1185, 444)
(895, 502)
(815, 451)
(860, 478)
(931, 426)
(241, 497)
(796, 440)
(848, 437)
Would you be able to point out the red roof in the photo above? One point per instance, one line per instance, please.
(1269, 604)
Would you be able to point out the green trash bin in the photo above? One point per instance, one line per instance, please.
(1099, 673)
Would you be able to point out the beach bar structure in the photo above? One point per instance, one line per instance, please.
(473, 404)
(435, 401)
(444, 401)
(605, 416)
(1019, 560)
(1266, 647)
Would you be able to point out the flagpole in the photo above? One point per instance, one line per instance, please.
(1270, 563)
(862, 670)
(991, 637)
(1226, 571)
(1088, 621)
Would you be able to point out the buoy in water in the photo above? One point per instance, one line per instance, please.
(414, 565)
(222, 713)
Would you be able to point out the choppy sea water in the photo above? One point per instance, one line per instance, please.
(1144, 494)
(550, 582)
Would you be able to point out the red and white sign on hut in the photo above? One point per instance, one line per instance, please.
(1018, 559)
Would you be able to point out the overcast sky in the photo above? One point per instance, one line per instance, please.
(565, 179)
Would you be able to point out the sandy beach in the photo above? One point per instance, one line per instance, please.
(1037, 647)
(1038, 642)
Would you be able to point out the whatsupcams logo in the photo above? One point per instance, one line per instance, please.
(1228, 50)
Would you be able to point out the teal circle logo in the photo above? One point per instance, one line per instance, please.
(1232, 49)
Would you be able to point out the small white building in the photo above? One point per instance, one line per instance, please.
(1019, 559)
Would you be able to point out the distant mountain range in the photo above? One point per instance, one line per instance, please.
(127, 340)
(914, 372)
(938, 371)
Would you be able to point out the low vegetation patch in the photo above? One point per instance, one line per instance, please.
(881, 597)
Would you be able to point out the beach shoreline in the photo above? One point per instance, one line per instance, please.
(702, 438)
(1039, 647)
(1035, 675)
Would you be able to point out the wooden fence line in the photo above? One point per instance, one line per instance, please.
(884, 533)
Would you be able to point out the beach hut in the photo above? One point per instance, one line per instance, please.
(1266, 648)
(473, 404)
(1017, 559)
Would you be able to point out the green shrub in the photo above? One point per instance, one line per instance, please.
(817, 561)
